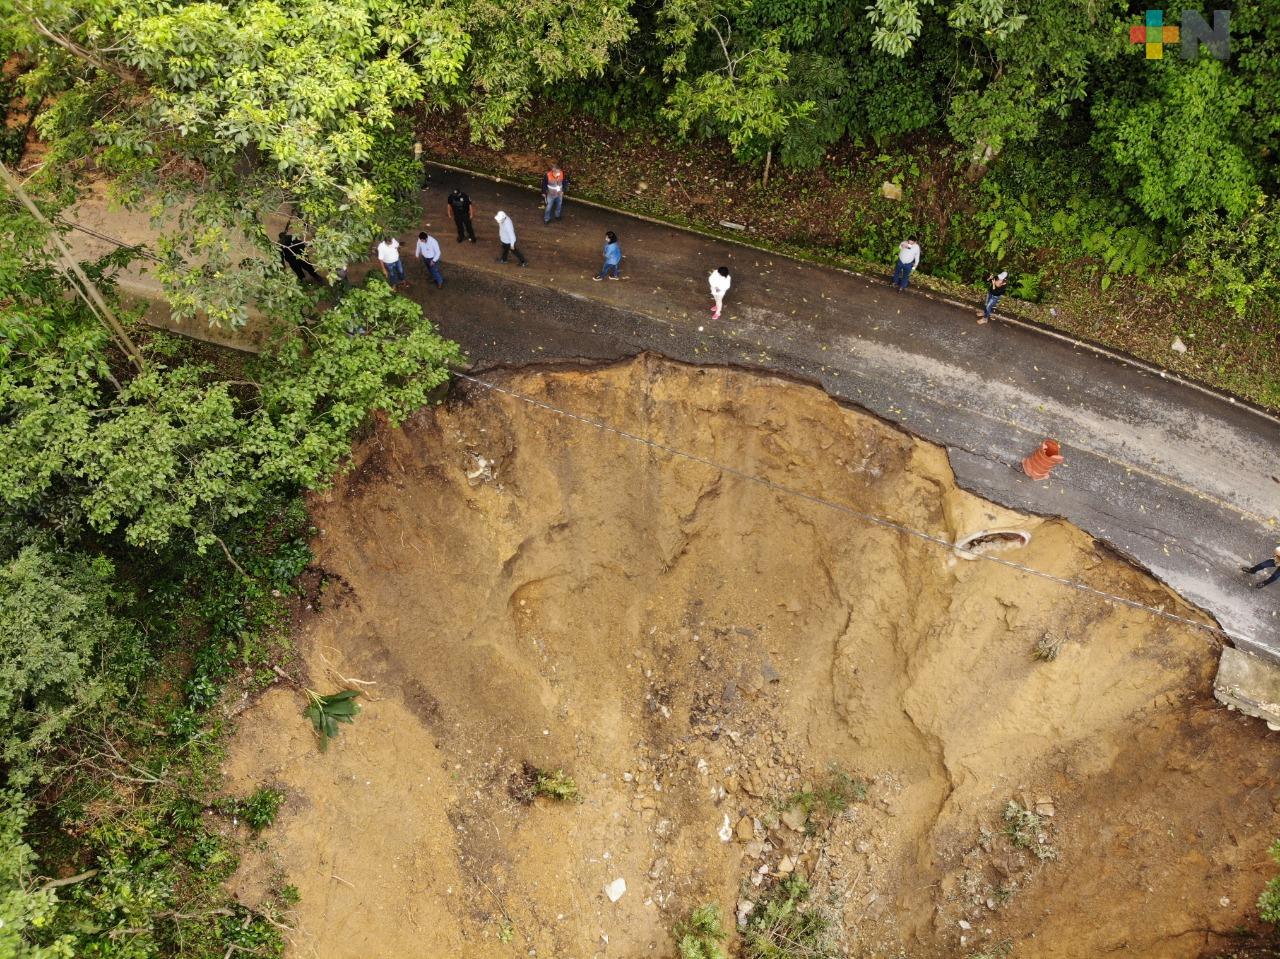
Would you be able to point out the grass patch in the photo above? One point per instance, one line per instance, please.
(1026, 830)
(701, 935)
(787, 925)
(832, 795)
(259, 810)
(531, 782)
(999, 950)
(556, 785)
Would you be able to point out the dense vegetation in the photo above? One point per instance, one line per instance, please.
(1071, 138)
(152, 534)
(1074, 135)
(152, 524)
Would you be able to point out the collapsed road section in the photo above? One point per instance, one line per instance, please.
(610, 675)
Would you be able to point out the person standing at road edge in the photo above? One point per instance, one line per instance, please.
(908, 260)
(428, 251)
(460, 211)
(554, 183)
(1271, 564)
(507, 238)
(719, 281)
(995, 289)
(612, 257)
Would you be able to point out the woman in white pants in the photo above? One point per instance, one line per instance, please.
(719, 281)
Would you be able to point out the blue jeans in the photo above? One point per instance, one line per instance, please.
(607, 268)
(555, 201)
(992, 300)
(433, 267)
(1267, 564)
(395, 272)
(902, 273)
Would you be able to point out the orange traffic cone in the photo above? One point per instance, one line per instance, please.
(1039, 463)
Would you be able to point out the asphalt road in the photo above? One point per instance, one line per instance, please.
(1184, 481)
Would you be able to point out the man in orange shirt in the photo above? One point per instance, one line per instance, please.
(554, 183)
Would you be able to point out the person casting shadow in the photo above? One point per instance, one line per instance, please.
(1272, 564)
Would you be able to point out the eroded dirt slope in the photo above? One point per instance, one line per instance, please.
(509, 586)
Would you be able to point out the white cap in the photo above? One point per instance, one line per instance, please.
(1002, 276)
(499, 215)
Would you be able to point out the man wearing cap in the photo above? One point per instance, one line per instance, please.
(995, 289)
(460, 210)
(1271, 564)
(507, 237)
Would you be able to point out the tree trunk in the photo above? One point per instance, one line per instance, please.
(84, 286)
(768, 161)
(979, 161)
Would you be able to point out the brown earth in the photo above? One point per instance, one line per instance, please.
(511, 586)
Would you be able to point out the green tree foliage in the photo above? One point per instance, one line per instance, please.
(27, 908)
(738, 94)
(1170, 142)
(1236, 261)
(115, 473)
(743, 101)
(65, 650)
(175, 451)
(219, 114)
(1022, 68)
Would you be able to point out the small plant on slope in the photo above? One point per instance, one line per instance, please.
(1269, 901)
(325, 712)
(786, 926)
(556, 785)
(1025, 829)
(832, 796)
(700, 936)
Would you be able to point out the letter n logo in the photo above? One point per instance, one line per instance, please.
(1196, 33)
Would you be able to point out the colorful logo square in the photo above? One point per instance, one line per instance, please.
(1153, 34)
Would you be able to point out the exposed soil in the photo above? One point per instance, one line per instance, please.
(516, 590)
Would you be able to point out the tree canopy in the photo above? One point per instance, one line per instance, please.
(221, 114)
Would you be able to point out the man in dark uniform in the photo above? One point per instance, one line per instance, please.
(461, 208)
(293, 253)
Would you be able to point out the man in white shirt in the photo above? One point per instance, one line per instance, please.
(428, 251)
(908, 260)
(389, 257)
(719, 281)
(507, 237)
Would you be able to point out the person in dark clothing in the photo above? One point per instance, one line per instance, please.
(1272, 564)
(293, 254)
(460, 210)
(996, 286)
